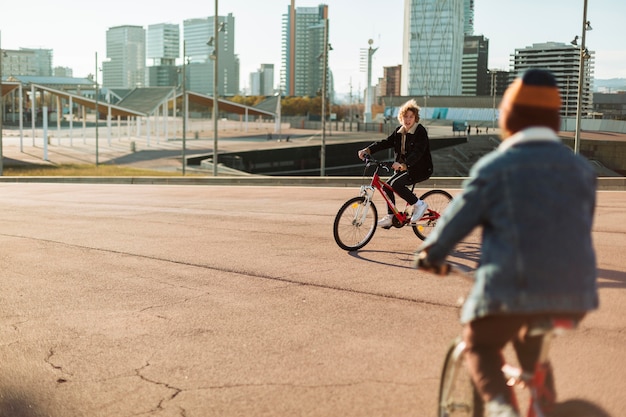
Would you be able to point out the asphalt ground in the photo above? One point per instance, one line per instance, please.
(144, 300)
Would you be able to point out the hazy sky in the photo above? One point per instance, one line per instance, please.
(76, 29)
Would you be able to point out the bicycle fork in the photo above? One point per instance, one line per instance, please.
(367, 191)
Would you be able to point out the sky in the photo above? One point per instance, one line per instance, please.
(76, 30)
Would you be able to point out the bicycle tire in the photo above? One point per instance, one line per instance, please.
(437, 201)
(351, 233)
(457, 395)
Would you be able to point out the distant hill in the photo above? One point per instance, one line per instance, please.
(609, 86)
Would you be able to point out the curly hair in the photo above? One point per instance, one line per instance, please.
(410, 105)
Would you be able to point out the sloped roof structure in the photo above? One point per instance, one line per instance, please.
(146, 100)
(226, 106)
(9, 86)
(116, 110)
(136, 102)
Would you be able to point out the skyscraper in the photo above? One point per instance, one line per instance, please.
(163, 48)
(126, 53)
(262, 81)
(200, 47)
(433, 47)
(302, 49)
(475, 73)
(563, 61)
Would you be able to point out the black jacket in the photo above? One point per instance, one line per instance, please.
(417, 151)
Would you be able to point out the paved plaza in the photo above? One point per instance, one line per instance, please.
(191, 300)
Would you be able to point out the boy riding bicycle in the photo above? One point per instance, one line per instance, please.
(534, 199)
(413, 162)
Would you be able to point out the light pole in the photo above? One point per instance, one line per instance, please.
(324, 71)
(493, 93)
(581, 78)
(184, 82)
(97, 115)
(215, 106)
(1, 111)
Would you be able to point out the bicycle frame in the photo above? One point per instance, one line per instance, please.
(536, 381)
(541, 397)
(377, 183)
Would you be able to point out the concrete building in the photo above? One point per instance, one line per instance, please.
(389, 84)
(302, 49)
(475, 74)
(200, 48)
(610, 106)
(563, 61)
(262, 81)
(126, 54)
(433, 47)
(27, 61)
(62, 72)
(163, 48)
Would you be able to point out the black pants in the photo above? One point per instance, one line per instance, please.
(400, 183)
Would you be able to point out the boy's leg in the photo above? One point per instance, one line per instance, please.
(400, 183)
(485, 338)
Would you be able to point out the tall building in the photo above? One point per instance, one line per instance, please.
(302, 50)
(468, 17)
(27, 61)
(475, 72)
(389, 85)
(563, 61)
(433, 47)
(126, 53)
(163, 48)
(499, 81)
(62, 72)
(262, 81)
(200, 48)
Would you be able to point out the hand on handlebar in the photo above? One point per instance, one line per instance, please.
(364, 154)
(421, 262)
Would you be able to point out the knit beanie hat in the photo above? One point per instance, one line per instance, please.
(531, 100)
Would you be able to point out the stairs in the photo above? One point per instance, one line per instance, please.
(456, 161)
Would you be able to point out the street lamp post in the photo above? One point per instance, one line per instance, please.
(215, 106)
(581, 80)
(97, 114)
(324, 71)
(184, 82)
(1, 111)
(493, 93)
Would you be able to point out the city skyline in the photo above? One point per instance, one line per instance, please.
(77, 31)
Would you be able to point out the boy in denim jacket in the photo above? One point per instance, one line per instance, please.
(534, 199)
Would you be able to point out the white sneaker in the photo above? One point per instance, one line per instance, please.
(418, 210)
(386, 221)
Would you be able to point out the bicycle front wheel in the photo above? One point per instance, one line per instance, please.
(437, 201)
(457, 395)
(355, 223)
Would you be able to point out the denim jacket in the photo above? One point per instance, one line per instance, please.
(535, 201)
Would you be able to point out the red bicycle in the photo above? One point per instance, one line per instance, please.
(356, 221)
(458, 396)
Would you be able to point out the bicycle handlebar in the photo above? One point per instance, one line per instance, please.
(369, 161)
(420, 262)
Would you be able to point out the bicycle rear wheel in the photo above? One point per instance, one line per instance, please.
(437, 201)
(355, 224)
(457, 395)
